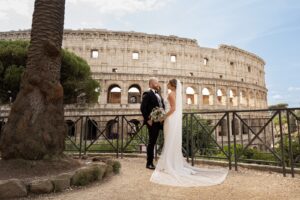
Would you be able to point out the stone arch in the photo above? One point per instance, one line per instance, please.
(91, 130)
(235, 124)
(112, 129)
(223, 131)
(207, 96)
(134, 94)
(264, 100)
(71, 128)
(245, 129)
(258, 99)
(221, 96)
(133, 126)
(251, 99)
(191, 96)
(233, 98)
(243, 98)
(114, 94)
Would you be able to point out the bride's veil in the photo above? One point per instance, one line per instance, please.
(179, 98)
(178, 115)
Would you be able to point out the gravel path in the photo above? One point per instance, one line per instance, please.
(133, 183)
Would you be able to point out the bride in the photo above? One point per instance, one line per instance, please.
(172, 169)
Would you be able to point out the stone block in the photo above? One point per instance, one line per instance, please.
(61, 182)
(41, 186)
(12, 188)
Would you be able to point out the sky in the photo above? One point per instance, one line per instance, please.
(268, 28)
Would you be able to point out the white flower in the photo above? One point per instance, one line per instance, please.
(157, 114)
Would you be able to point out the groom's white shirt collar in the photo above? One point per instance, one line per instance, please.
(152, 90)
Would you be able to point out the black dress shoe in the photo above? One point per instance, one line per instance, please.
(150, 166)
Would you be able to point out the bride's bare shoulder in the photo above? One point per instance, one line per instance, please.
(171, 95)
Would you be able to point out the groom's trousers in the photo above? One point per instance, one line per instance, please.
(153, 135)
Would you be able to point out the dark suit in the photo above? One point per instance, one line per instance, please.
(149, 102)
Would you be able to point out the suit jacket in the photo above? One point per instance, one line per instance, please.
(149, 101)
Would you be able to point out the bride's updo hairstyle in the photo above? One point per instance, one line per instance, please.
(173, 82)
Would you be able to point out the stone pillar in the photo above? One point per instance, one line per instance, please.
(227, 98)
(124, 93)
(199, 96)
(103, 93)
(238, 97)
(215, 96)
(200, 99)
(183, 95)
(164, 90)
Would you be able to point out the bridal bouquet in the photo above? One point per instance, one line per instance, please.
(157, 114)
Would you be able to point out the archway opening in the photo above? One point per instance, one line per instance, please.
(233, 99)
(134, 94)
(207, 97)
(112, 129)
(221, 97)
(114, 94)
(71, 128)
(191, 96)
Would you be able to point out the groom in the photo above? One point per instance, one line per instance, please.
(151, 99)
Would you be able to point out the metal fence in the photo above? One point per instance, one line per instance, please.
(269, 137)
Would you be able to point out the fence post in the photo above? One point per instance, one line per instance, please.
(228, 138)
(281, 144)
(192, 145)
(122, 136)
(86, 133)
(290, 143)
(187, 138)
(118, 128)
(234, 141)
(81, 132)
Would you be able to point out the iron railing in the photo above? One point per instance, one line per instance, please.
(267, 136)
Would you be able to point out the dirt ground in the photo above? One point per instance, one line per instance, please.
(28, 170)
(133, 183)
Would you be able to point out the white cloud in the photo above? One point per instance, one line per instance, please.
(23, 8)
(277, 96)
(121, 7)
(293, 89)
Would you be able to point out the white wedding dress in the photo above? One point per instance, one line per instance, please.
(172, 168)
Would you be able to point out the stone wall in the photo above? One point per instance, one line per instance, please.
(213, 79)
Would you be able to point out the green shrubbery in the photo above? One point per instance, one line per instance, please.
(295, 144)
(196, 131)
(75, 73)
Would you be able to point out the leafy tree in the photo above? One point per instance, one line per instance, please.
(76, 79)
(279, 106)
(75, 74)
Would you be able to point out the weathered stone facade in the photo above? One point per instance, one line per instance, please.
(226, 78)
(213, 79)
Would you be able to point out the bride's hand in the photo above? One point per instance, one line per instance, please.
(163, 119)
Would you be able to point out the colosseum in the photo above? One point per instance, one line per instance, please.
(226, 78)
(213, 79)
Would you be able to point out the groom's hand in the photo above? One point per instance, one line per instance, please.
(149, 122)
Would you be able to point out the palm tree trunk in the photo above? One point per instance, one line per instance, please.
(36, 128)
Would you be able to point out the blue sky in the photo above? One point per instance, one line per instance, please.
(268, 28)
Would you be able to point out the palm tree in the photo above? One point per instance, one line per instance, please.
(36, 128)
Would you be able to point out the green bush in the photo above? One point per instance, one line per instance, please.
(87, 175)
(116, 167)
(249, 155)
(295, 144)
(196, 131)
